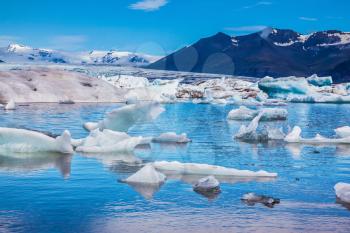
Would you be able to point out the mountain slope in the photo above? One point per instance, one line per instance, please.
(273, 52)
(15, 53)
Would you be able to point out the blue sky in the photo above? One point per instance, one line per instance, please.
(157, 26)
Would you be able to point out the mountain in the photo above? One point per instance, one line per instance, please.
(272, 52)
(15, 53)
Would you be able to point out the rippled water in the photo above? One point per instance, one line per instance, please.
(79, 193)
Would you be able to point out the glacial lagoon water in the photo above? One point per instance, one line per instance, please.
(81, 193)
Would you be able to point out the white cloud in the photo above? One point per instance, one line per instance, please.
(148, 5)
(261, 3)
(253, 28)
(5, 40)
(68, 41)
(307, 18)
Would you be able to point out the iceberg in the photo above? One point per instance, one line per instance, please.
(252, 199)
(176, 167)
(11, 105)
(281, 86)
(294, 137)
(249, 133)
(27, 141)
(147, 175)
(107, 141)
(342, 190)
(208, 187)
(123, 118)
(343, 132)
(269, 114)
(171, 137)
(320, 81)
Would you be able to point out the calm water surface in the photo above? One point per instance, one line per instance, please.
(81, 193)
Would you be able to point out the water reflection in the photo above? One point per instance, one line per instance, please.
(26, 162)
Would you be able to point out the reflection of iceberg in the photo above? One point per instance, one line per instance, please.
(294, 137)
(112, 159)
(24, 141)
(206, 169)
(123, 118)
(36, 161)
(107, 141)
(171, 137)
(269, 114)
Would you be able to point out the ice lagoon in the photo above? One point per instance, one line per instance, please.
(82, 192)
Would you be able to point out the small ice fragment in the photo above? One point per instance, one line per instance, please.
(11, 105)
(343, 132)
(342, 190)
(252, 199)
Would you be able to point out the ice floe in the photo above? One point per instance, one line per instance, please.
(26, 141)
(107, 141)
(342, 190)
(176, 167)
(343, 132)
(269, 114)
(320, 81)
(172, 137)
(123, 118)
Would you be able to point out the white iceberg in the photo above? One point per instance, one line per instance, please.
(342, 190)
(147, 175)
(269, 114)
(249, 133)
(26, 141)
(176, 167)
(295, 137)
(107, 141)
(343, 132)
(11, 105)
(172, 137)
(123, 118)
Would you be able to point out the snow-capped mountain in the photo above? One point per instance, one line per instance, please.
(15, 53)
(273, 52)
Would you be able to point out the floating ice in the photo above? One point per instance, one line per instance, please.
(26, 141)
(107, 141)
(172, 137)
(147, 175)
(11, 105)
(277, 87)
(342, 190)
(123, 118)
(252, 199)
(343, 132)
(320, 81)
(249, 133)
(176, 167)
(294, 137)
(244, 113)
